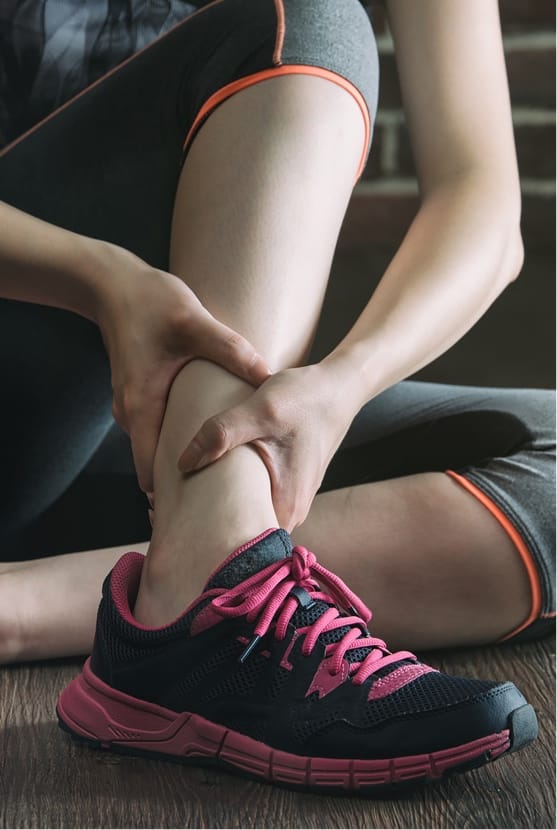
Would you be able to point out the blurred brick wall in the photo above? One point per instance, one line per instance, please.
(385, 200)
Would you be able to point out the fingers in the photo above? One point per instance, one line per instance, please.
(219, 435)
(254, 422)
(229, 349)
(143, 420)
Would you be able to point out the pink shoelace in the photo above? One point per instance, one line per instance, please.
(265, 594)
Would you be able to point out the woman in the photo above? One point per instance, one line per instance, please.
(188, 204)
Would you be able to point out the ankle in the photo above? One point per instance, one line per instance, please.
(164, 593)
(173, 576)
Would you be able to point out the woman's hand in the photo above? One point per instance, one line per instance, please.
(152, 324)
(296, 421)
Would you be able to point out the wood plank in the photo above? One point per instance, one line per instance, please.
(48, 781)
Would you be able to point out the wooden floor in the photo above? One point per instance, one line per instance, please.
(48, 781)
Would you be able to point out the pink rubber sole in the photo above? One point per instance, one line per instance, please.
(94, 711)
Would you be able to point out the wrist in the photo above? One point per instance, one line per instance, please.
(106, 272)
(78, 275)
(48, 265)
(88, 269)
(345, 375)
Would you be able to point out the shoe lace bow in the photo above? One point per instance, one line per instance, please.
(268, 595)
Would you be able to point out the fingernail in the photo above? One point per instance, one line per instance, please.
(258, 365)
(201, 462)
(192, 462)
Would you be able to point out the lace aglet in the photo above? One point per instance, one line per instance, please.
(249, 648)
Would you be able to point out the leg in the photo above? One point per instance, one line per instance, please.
(423, 544)
(48, 607)
(434, 565)
(288, 306)
(46, 387)
(413, 572)
(127, 191)
(422, 549)
(275, 279)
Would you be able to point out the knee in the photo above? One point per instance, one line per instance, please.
(538, 417)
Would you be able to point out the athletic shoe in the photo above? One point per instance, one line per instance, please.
(272, 672)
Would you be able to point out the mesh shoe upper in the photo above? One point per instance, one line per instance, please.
(277, 648)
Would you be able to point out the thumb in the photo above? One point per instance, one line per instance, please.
(230, 350)
(217, 436)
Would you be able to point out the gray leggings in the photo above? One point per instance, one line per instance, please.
(497, 443)
(106, 165)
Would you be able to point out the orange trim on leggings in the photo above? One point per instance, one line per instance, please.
(281, 31)
(520, 545)
(292, 69)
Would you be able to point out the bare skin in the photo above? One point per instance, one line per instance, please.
(272, 300)
(278, 313)
(272, 293)
(447, 560)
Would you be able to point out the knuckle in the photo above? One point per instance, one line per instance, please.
(147, 396)
(234, 342)
(233, 338)
(271, 409)
(131, 402)
(216, 432)
(122, 395)
(187, 324)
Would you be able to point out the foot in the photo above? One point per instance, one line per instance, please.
(271, 672)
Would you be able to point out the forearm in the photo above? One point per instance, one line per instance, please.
(42, 263)
(460, 252)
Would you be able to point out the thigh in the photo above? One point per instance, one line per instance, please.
(418, 427)
(497, 443)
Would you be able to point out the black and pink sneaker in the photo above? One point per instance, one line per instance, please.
(272, 672)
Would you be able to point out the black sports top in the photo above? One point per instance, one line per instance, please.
(52, 49)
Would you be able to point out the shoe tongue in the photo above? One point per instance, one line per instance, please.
(262, 551)
(269, 547)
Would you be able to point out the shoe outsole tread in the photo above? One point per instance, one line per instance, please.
(522, 730)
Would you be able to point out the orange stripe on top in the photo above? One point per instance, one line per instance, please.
(520, 545)
(292, 69)
(281, 31)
